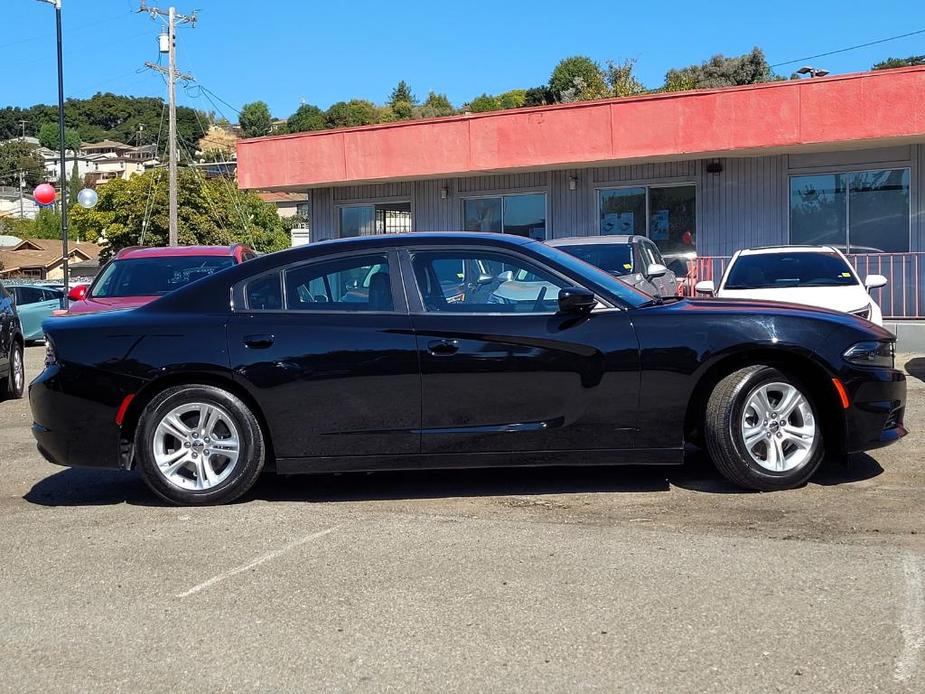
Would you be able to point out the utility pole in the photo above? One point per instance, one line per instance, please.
(172, 75)
(22, 184)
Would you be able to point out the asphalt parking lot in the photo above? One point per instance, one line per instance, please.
(528, 580)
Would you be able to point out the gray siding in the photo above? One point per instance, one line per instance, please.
(744, 205)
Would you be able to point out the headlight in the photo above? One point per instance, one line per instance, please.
(862, 312)
(50, 356)
(871, 354)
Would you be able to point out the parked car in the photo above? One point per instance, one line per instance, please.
(12, 369)
(35, 303)
(271, 362)
(810, 275)
(634, 259)
(137, 276)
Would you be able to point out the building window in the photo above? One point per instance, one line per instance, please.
(381, 218)
(666, 214)
(857, 212)
(523, 215)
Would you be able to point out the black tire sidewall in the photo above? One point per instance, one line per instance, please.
(739, 399)
(252, 452)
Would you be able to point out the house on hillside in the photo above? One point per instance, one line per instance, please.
(12, 206)
(43, 259)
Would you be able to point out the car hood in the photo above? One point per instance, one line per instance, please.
(846, 299)
(756, 308)
(116, 303)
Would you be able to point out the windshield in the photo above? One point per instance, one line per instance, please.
(773, 270)
(627, 294)
(615, 259)
(155, 276)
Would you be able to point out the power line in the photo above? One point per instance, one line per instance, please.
(850, 48)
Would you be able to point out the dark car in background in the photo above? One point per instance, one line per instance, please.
(12, 368)
(634, 259)
(387, 352)
(137, 276)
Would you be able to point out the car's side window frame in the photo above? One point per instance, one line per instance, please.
(415, 300)
(399, 302)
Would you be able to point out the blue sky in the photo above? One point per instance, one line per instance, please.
(283, 51)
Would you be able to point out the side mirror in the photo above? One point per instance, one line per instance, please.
(78, 293)
(576, 300)
(705, 287)
(874, 282)
(485, 278)
(656, 270)
(506, 276)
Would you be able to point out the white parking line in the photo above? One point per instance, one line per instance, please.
(912, 624)
(256, 562)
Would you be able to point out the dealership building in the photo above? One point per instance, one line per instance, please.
(836, 160)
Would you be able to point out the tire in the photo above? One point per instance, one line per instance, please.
(14, 385)
(191, 462)
(746, 445)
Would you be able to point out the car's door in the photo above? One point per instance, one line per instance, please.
(668, 283)
(503, 370)
(7, 321)
(650, 285)
(34, 305)
(332, 363)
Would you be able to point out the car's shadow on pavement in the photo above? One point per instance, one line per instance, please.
(84, 487)
(915, 367)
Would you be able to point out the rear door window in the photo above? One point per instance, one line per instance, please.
(343, 284)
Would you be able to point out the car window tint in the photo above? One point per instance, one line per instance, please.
(793, 269)
(655, 253)
(489, 283)
(154, 276)
(617, 259)
(27, 295)
(51, 295)
(264, 293)
(344, 284)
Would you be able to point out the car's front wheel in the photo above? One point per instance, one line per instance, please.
(199, 445)
(14, 385)
(762, 429)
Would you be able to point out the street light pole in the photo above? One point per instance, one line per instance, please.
(62, 184)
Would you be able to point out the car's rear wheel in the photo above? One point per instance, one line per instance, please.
(762, 429)
(199, 445)
(14, 385)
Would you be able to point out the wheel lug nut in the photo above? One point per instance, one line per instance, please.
(195, 456)
(187, 444)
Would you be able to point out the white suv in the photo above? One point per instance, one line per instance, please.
(811, 275)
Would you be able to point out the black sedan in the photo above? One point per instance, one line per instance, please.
(453, 350)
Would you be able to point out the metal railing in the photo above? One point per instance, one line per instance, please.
(902, 297)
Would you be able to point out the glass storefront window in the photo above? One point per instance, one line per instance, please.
(523, 215)
(666, 214)
(383, 218)
(623, 211)
(858, 212)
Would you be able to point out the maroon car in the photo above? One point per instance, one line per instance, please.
(137, 276)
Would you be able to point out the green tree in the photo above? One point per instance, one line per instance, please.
(436, 105)
(46, 225)
(515, 98)
(212, 211)
(402, 93)
(621, 80)
(307, 117)
(49, 137)
(720, 71)
(347, 114)
(74, 185)
(899, 62)
(577, 78)
(16, 156)
(255, 119)
(538, 96)
(484, 102)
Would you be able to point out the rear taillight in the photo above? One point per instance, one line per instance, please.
(50, 356)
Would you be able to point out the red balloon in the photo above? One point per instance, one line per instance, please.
(44, 194)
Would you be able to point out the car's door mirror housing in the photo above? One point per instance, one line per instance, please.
(656, 270)
(485, 278)
(705, 287)
(78, 293)
(576, 300)
(874, 282)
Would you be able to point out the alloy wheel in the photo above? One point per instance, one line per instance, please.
(196, 446)
(19, 375)
(778, 427)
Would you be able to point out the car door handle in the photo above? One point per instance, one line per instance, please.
(443, 348)
(259, 341)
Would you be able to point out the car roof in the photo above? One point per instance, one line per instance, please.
(615, 240)
(766, 250)
(176, 251)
